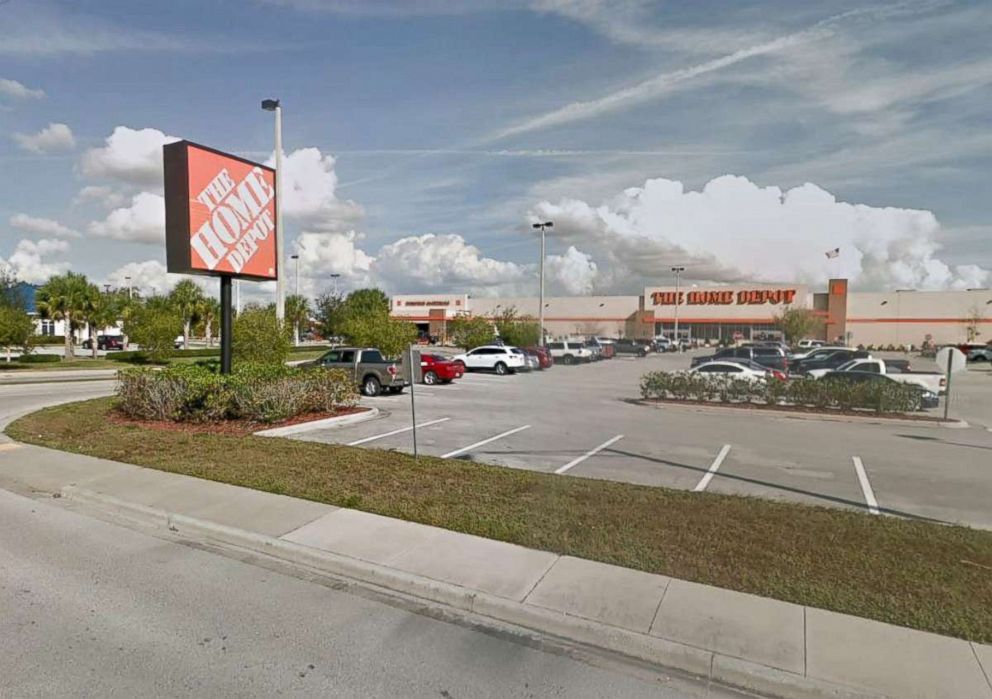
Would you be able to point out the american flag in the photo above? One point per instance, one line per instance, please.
(831, 254)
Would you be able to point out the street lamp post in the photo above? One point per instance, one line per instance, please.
(296, 326)
(678, 271)
(335, 278)
(128, 280)
(274, 106)
(540, 303)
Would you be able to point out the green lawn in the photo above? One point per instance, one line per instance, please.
(917, 574)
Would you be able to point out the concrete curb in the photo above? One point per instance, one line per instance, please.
(790, 415)
(699, 662)
(341, 420)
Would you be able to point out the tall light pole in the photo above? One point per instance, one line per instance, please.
(296, 325)
(335, 278)
(128, 280)
(274, 106)
(678, 271)
(540, 303)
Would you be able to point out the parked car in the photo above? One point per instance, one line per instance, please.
(815, 352)
(530, 363)
(544, 359)
(728, 369)
(898, 370)
(436, 368)
(810, 344)
(827, 360)
(179, 342)
(928, 399)
(374, 373)
(769, 357)
(569, 352)
(595, 349)
(626, 346)
(980, 354)
(105, 342)
(491, 358)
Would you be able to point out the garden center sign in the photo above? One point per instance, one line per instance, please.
(220, 213)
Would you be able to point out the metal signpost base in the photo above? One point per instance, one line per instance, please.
(226, 324)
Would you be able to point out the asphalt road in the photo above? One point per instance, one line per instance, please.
(577, 419)
(94, 609)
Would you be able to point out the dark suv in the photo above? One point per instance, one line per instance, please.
(628, 346)
(829, 360)
(770, 357)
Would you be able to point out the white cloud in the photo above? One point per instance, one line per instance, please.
(129, 155)
(41, 226)
(308, 192)
(54, 137)
(28, 261)
(734, 230)
(18, 91)
(573, 273)
(141, 222)
(324, 254)
(437, 262)
(105, 196)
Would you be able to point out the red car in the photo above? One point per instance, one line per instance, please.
(543, 356)
(437, 368)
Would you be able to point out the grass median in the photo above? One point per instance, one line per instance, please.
(917, 574)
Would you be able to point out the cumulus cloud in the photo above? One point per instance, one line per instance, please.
(308, 192)
(41, 226)
(147, 278)
(437, 262)
(105, 196)
(29, 261)
(143, 221)
(18, 91)
(54, 137)
(571, 273)
(129, 155)
(324, 254)
(734, 230)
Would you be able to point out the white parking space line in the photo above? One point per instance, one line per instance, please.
(714, 467)
(592, 452)
(865, 485)
(470, 447)
(399, 431)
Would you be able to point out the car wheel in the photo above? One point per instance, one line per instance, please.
(446, 381)
(568, 359)
(500, 368)
(371, 386)
(462, 365)
(430, 378)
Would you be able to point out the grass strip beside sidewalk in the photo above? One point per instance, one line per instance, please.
(917, 574)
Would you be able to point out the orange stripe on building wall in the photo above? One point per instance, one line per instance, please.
(963, 321)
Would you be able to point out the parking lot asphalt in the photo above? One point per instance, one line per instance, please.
(579, 421)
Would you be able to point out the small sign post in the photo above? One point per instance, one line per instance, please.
(414, 373)
(952, 360)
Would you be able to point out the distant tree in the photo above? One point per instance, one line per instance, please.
(367, 302)
(259, 337)
(973, 322)
(297, 314)
(797, 323)
(470, 331)
(154, 325)
(101, 311)
(9, 294)
(331, 313)
(208, 315)
(392, 337)
(16, 328)
(64, 297)
(515, 329)
(186, 299)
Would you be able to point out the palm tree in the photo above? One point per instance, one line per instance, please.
(297, 314)
(102, 310)
(208, 312)
(186, 299)
(64, 297)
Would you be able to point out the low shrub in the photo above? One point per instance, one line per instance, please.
(39, 359)
(878, 396)
(253, 392)
(47, 340)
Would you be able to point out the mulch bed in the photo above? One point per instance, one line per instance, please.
(236, 428)
(805, 409)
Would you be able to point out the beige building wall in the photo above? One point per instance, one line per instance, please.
(565, 316)
(907, 317)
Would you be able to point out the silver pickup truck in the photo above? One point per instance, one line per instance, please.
(373, 373)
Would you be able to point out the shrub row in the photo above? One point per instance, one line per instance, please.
(258, 393)
(140, 357)
(39, 358)
(47, 340)
(823, 394)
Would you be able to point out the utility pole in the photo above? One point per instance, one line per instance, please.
(296, 326)
(678, 271)
(335, 278)
(540, 302)
(274, 106)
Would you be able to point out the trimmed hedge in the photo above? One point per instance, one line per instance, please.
(880, 397)
(47, 340)
(140, 357)
(258, 393)
(39, 359)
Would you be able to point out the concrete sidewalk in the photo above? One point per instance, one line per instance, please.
(758, 644)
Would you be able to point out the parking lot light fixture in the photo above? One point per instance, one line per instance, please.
(540, 304)
(678, 271)
(271, 105)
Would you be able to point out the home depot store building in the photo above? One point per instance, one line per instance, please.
(742, 312)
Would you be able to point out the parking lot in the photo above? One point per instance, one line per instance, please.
(579, 420)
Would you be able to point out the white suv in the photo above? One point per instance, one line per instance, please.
(569, 352)
(502, 360)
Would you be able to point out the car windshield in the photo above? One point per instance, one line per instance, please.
(847, 366)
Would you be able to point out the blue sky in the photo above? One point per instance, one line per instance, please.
(443, 128)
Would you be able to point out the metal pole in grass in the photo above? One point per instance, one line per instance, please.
(947, 393)
(414, 363)
(226, 325)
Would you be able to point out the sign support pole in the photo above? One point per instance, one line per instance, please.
(413, 355)
(947, 393)
(226, 324)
